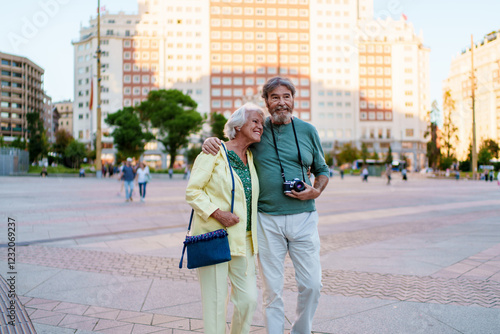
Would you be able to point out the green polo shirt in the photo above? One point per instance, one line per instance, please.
(272, 200)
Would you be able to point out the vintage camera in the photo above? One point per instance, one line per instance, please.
(296, 184)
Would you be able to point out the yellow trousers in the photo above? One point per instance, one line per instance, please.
(214, 286)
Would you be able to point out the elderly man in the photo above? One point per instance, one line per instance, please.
(287, 219)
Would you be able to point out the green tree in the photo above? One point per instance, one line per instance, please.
(445, 162)
(388, 158)
(174, 115)
(75, 152)
(217, 122)
(329, 158)
(449, 131)
(2, 141)
(364, 152)
(129, 134)
(487, 151)
(492, 146)
(38, 145)
(375, 155)
(433, 151)
(19, 143)
(63, 138)
(347, 154)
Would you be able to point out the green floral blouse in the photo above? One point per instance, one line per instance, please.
(244, 174)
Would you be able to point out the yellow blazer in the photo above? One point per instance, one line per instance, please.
(209, 189)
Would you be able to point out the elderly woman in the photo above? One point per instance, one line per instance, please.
(209, 193)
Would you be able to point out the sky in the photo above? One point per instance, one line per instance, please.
(42, 30)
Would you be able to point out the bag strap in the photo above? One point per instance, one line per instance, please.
(232, 177)
(184, 249)
(192, 211)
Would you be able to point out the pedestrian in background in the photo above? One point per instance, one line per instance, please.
(143, 177)
(128, 179)
(364, 174)
(403, 174)
(170, 172)
(388, 172)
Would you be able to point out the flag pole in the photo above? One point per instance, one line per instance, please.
(98, 152)
(473, 86)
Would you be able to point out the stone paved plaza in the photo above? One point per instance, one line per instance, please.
(421, 256)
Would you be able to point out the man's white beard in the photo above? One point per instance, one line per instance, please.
(280, 117)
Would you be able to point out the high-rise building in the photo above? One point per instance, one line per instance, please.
(222, 52)
(487, 93)
(394, 96)
(21, 93)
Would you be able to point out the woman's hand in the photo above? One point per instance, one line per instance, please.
(226, 218)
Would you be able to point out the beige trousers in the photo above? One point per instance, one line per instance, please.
(214, 286)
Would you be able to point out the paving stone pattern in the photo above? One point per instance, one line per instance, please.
(10, 305)
(347, 283)
(445, 231)
(110, 320)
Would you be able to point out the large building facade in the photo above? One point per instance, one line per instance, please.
(65, 111)
(221, 52)
(394, 92)
(487, 92)
(21, 92)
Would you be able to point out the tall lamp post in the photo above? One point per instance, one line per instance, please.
(473, 86)
(98, 130)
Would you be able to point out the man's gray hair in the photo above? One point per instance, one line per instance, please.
(275, 82)
(239, 118)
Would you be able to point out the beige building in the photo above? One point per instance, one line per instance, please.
(65, 111)
(222, 52)
(21, 92)
(487, 93)
(394, 91)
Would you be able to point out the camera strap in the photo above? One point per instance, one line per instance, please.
(298, 150)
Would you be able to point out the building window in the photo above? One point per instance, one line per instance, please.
(409, 132)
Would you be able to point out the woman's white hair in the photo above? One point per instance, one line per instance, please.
(239, 118)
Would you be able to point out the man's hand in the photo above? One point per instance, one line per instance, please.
(211, 145)
(320, 183)
(308, 193)
(226, 218)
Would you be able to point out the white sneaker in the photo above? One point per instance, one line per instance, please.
(142, 199)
